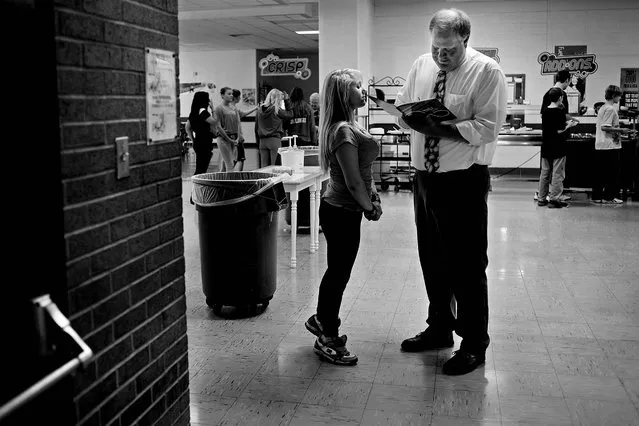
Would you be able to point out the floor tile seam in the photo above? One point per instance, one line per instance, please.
(566, 397)
(239, 400)
(632, 400)
(627, 311)
(536, 319)
(591, 398)
(276, 400)
(225, 412)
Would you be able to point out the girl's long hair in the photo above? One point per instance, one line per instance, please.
(273, 98)
(298, 105)
(200, 100)
(335, 110)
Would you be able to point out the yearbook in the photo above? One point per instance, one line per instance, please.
(432, 108)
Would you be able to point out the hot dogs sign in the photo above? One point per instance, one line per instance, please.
(272, 65)
(581, 65)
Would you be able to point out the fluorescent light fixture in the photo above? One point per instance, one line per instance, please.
(308, 32)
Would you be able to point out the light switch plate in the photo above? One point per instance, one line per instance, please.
(122, 156)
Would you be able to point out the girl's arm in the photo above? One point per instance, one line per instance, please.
(189, 130)
(212, 124)
(220, 129)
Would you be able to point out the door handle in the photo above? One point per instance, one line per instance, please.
(44, 307)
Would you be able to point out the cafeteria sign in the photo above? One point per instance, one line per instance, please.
(272, 65)
(581, 65)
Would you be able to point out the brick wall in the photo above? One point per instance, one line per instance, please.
(125, 253)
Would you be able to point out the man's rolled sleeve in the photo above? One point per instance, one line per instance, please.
(489, 110)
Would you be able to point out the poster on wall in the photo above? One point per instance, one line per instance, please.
(248, 97)
(630, 88)
(161, 102)
(578, 62)
(491, 52)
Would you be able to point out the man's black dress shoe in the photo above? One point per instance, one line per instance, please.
(463, 362)
(428, 340)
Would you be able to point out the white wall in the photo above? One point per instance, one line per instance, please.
(521, 30)
(338, 36)
(233, 68)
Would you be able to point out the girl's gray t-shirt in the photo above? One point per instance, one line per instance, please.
(337, 192)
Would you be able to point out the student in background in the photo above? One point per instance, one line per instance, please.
(201, 128)
(269, 126)
(314, 100)
(562, 80)
(302, 124)
(229, 120)
(553, 150)
(607, 149)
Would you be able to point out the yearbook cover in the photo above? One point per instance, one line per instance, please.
(432, 108)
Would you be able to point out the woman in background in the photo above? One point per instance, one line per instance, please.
(302, 124)
(201, 127)
(269, 126)
(229, 122)
(347, 151)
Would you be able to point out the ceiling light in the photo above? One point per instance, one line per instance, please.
(308, 32)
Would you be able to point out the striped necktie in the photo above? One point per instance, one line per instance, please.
(431, 150)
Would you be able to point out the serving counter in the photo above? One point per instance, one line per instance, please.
(580, 159)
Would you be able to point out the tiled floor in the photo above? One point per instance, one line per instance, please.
(564, 300)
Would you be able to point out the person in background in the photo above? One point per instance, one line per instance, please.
(241, 154)
(201, 128)
(314, 100)
(302, 123)
(553, 150)
(347, 152)
(229, 120)
(269, 126)
(562, 80)
(453, 158)
(607, 149)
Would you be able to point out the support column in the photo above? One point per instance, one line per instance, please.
(345, 36)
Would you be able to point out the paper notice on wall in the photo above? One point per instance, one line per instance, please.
(161, 103)
(630, 87)
(573, 102)
(510, 93)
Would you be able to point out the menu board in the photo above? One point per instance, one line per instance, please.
(630, 87)
(161, 96)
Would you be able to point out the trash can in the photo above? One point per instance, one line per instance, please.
(237, 224)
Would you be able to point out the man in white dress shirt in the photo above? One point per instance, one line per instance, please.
(451, 186)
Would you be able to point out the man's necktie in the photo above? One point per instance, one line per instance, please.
(431, 150)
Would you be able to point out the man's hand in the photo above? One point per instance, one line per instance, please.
(424, 124)
(240, 139)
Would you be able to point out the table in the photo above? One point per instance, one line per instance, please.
(312, 178)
